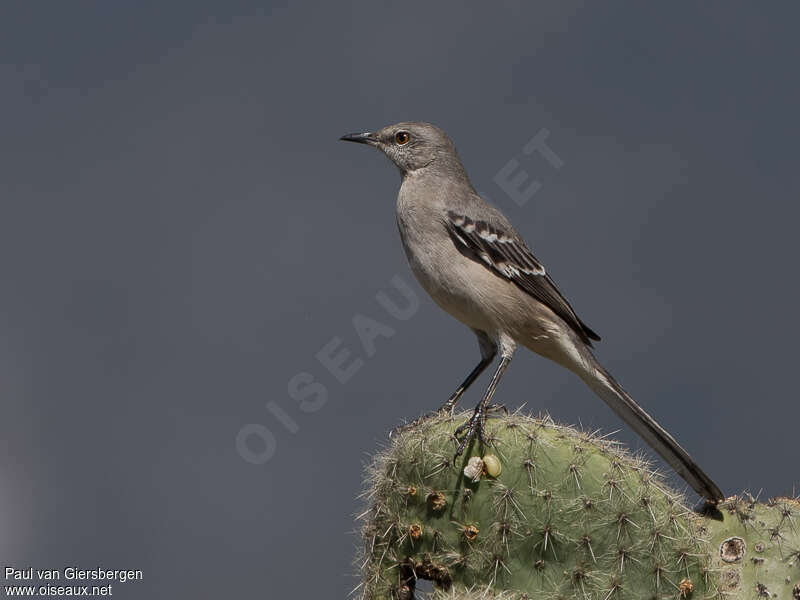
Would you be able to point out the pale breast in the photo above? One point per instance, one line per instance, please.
(456, 283)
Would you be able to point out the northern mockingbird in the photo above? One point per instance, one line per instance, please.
(473, 263)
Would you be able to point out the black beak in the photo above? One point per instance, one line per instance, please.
(361, 138)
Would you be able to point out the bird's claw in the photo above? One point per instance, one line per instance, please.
(497, 408)
(474, 426)
(446, 410)
(411, 425)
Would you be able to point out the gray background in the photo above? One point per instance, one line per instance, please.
(182, 232)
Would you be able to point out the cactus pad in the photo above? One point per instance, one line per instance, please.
(568, 515)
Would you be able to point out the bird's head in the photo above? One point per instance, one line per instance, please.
(411, 146)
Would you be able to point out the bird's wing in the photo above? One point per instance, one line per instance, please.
(502, 250)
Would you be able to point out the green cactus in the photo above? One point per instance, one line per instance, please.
(569, 515)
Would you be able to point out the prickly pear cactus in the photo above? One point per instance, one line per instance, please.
(549, 512)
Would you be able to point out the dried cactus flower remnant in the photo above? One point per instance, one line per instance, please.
(732, 550)
(437, 501)
(471, 532)
(415, 531)
(474, 469)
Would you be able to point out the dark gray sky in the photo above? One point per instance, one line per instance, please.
(182, 233)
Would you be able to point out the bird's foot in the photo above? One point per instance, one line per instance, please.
(495, 408)
(401, 428)
(448, 408)
(472, 428)
(419, 420)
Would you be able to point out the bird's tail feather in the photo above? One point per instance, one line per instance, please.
(604, 385)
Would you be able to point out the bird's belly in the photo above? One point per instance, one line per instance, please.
(465, 288)
(459, 286)
(457, 302)
(483, 300)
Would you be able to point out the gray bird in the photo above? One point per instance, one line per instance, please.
(473, 263)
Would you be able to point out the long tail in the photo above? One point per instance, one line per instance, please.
(604, 385)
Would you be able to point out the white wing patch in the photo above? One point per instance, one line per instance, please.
(507, 255)
(496, 248)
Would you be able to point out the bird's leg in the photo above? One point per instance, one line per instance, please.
(447, 407)
(488, 352)
(477, 421)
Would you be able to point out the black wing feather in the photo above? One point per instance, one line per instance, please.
(506, 254)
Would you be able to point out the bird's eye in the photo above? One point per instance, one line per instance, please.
(401, 137)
